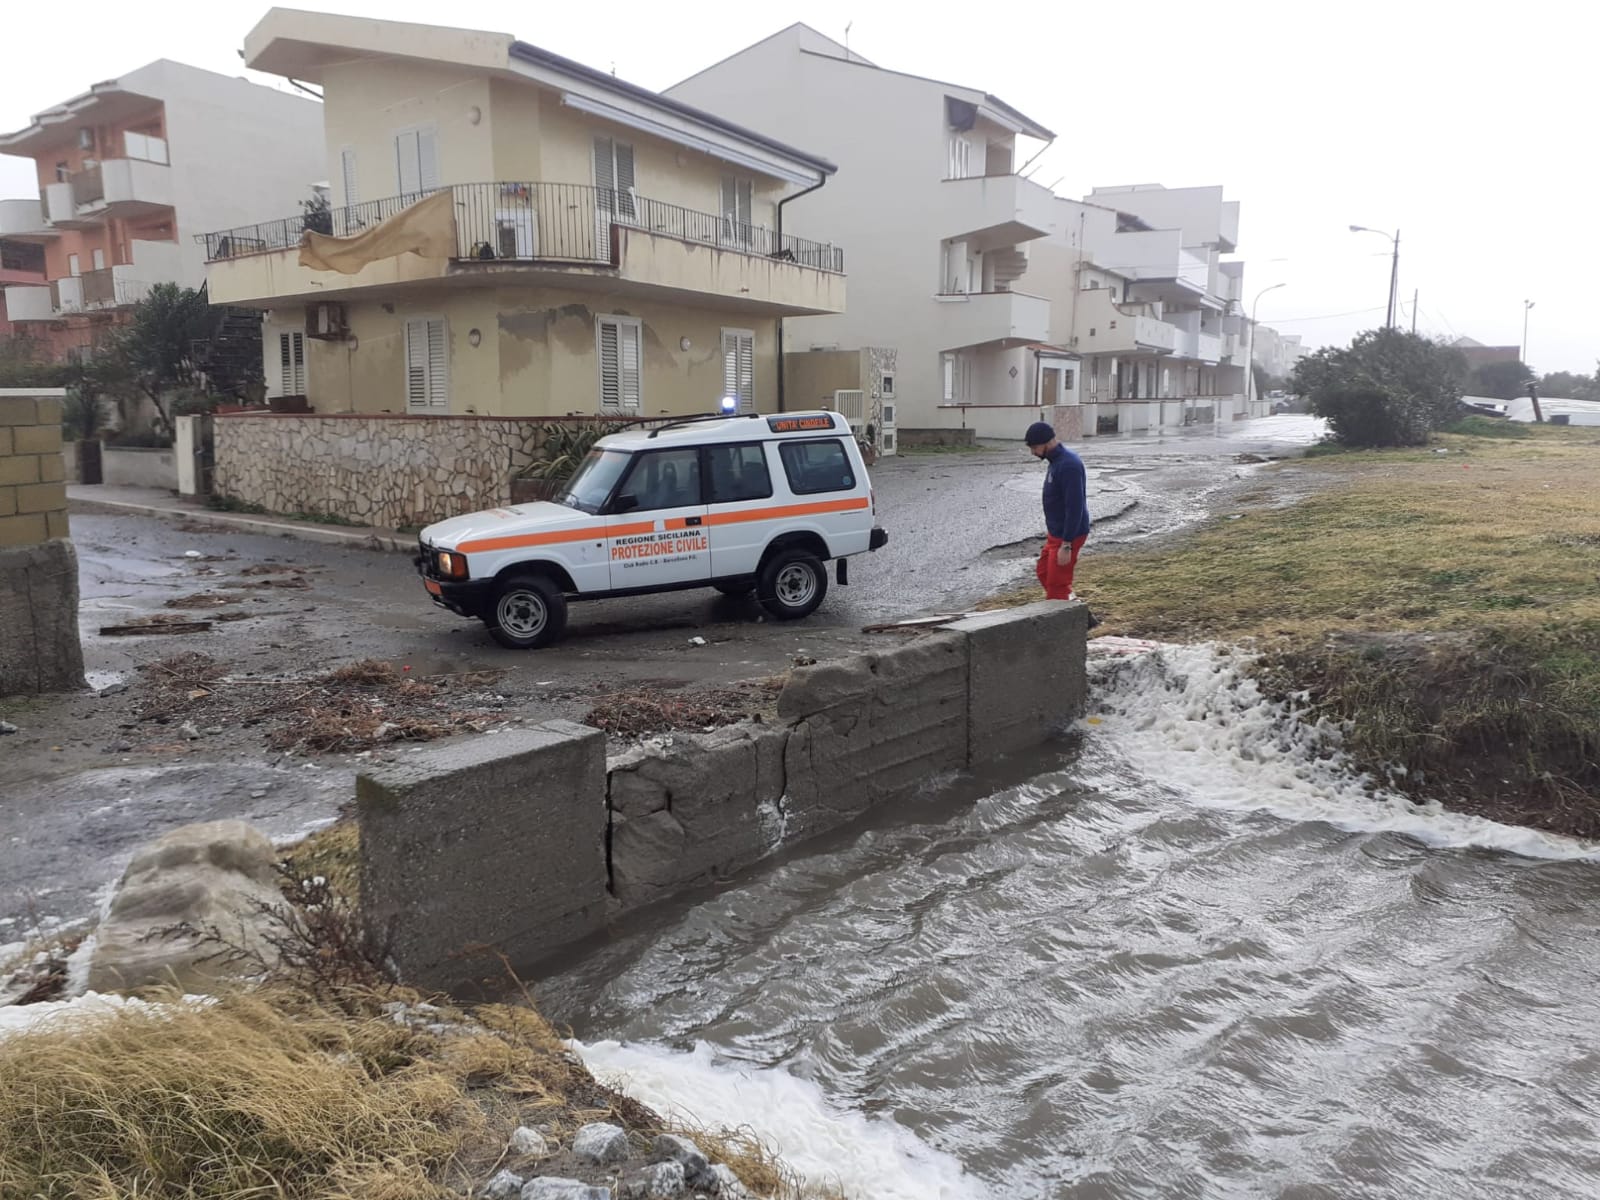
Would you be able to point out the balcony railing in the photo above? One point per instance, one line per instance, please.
(535, 222)
(88, 186)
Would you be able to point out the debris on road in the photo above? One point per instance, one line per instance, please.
(355, 707)
(7, 727)
(201, 600)
(643, 711)
(155, 623)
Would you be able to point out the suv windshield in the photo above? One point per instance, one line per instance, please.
(592, 482)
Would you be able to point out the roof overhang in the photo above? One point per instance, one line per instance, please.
(104, 103)
(305, 45)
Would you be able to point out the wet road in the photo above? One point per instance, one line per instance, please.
(77, 800)
(1197, 958)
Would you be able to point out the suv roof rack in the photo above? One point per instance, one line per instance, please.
(680, 422)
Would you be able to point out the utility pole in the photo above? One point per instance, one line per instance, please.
(1527, 305)
(1533, 394)
(1415, 292)
(1394, 276)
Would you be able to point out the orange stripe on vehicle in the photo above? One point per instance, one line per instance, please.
(777, 512)
(518, 541)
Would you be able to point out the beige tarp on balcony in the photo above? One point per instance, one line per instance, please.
(427, 228)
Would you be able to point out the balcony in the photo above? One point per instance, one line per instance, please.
(1106, 327)
(23, 221)
(541, 235)
(66, 295)
(30, 302)
(983, 318)
(121, 188)
(989, 211)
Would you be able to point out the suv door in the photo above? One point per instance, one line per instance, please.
(739, 512)
(655, 529)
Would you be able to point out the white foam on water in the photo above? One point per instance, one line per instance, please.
(1191, 719)
(866, 1157)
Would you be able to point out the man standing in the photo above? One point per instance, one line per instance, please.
(1066, 510)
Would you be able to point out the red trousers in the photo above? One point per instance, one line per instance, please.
(1053, 577)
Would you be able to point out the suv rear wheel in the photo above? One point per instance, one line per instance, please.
(792, 584)
(528, 612)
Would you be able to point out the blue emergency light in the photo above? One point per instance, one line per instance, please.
(730, 404)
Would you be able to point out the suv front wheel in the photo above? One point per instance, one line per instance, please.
(792, 584)
(528, 612)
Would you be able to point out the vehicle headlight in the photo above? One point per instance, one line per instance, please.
(452, 565)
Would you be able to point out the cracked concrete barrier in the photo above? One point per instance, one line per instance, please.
(873, 728)
(494, 844)
(694, 811)
(1028, 677)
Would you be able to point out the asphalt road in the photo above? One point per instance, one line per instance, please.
(84, 784)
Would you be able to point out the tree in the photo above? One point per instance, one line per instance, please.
(157, 346)
(1569, 385)
(1388, 388)
(1501, 380)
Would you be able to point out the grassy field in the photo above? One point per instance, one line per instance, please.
(1443, 600)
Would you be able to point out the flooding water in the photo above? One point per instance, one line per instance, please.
(1198, 957)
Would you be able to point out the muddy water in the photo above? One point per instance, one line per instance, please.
(1199, 957)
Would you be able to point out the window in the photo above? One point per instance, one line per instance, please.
(817, 467)
(427, 364)
(1068, 378)
(888, 386)
(738, 208)
(613, 176)
(73, 265)
(664, 479)
(617, 342)
(347, 172)
(738, 367)
(416, 155)
(98, 257)
(738, 473)
(947, 363)
(960, 157)
(291, 364)
(63, 172)
(514, 233)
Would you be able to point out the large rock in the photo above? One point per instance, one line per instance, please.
(215, 874)
(600, 1144)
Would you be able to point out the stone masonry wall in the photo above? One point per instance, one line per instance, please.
(39, 648)
(389, 471)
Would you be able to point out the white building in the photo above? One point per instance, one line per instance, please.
(1277, 353)
(938, 220)
(1139, 292)
(131, 172)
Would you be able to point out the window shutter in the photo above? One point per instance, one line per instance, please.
(625, 179)
(747, 372)
(427, 160)
(347, 168)
(746, 201)
(285, 365)
(630, 368)
(610, 375)
(604, 174)
(438, 365)
(416, 364)
(406, 166)
(730, 363)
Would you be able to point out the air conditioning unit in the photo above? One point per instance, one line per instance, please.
(327, 322)
(852, 403)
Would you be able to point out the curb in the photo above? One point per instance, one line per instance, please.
(361, 539)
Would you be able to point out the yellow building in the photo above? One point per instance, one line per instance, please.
(604, 249)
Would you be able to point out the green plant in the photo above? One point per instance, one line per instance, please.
(1489, 427)
(190, 401)
(1387, 388)
(565, 446)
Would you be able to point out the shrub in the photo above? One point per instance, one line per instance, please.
(1387, 388)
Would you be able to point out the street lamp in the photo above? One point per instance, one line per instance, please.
(1250, 346)
(1526, 305)
(1394, 266)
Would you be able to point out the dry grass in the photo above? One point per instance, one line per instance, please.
(1482, 568)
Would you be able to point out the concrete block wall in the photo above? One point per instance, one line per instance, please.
(529, 841)
(33, 492)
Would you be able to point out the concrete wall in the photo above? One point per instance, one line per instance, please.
(139, 466)
(39, 649)
(496, 842)
(536, 353)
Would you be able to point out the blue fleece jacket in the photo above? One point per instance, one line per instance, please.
(1066, 496)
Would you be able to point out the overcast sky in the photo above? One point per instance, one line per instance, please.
(1468, 126)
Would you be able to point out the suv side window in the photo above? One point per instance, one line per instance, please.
(738, 472)
(813, 467)
(664, 479)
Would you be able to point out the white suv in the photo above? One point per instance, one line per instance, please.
(735, 503)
